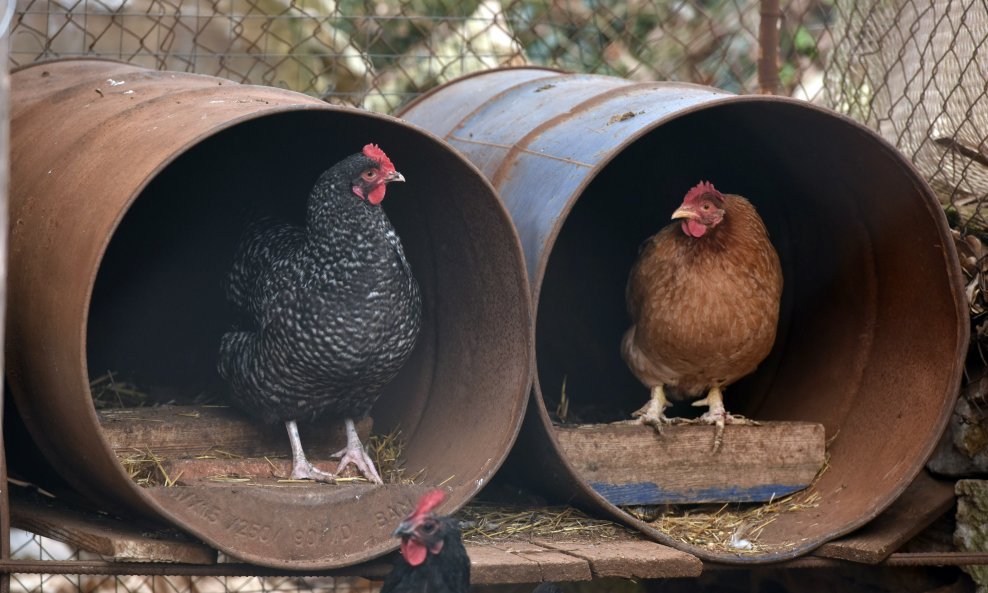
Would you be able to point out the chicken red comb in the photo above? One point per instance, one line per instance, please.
(374, 152)
(704, 188)
(429, 501)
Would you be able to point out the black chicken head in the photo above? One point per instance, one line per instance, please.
(422, 532)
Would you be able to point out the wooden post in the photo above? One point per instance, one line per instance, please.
(768, 44)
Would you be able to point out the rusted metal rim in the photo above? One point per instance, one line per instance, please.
(358, 520)
(515, 136)
(956, 284)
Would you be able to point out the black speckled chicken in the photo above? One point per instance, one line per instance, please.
(334, 308)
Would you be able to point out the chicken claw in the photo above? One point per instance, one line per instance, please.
(717, 415)
(354, 453)
(301, 468)
(652, 413)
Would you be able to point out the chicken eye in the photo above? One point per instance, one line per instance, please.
(706, 206)
(369, 174)
(429, 527)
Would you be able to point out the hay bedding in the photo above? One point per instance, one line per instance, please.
(486, 522)
(731, 528)
(148, 469)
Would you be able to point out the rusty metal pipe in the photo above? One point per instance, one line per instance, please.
(128, 194)
(874, 325)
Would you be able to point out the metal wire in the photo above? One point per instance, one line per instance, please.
(380, 54)
(917, 72)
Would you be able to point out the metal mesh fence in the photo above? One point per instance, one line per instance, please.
(916, 71)
(379, 54)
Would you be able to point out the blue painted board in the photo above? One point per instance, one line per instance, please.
(647, 493)
(630, 464)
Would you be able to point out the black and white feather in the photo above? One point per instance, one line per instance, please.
(332, 308)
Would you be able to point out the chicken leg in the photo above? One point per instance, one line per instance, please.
(301, 468)
(717, 415)
(652, 413)
(354, 453)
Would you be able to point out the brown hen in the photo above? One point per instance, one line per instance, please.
(704, 304)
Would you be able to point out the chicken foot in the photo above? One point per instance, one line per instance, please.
(301, 468)
(652, 413)
(717, 415)
(355, 453)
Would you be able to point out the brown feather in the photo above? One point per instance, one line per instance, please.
(704, 310)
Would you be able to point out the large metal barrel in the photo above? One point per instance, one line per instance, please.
(130, 190)
(874, 326)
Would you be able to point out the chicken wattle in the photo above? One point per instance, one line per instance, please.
(333, 308)
(703, 298)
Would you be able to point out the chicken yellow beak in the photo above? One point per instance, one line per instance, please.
(684, 212)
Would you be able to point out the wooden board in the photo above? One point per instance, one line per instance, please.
(490, 565)
(111, 538)
(631, 558)
(924, 501)
(563, 560)
(189, 431)
(630, 464)
(553, 565)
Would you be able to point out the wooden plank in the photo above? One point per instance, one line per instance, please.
(630, 558)
(489, 565)
(111, 538)
(555, 566)
(630, 464)
(177, 431)
(923, 502)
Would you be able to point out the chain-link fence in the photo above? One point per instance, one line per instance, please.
(908, 68)
(377, 54)
(915, 70)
